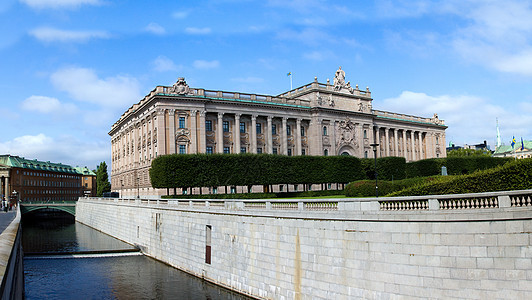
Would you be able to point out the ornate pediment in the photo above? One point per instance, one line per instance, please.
(180, 87)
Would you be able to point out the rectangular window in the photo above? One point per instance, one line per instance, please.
(226, 150)
(181, 122)
(274, 129)
(302, 131)
(259, 150)
(243, 127)
(274, 150)
(209, 150)
(242, 149)
(289, 152)
(182, 149)
(259, 128)
(208, 125)
(288, 130)
(226, 126)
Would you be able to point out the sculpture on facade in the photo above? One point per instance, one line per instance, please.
(339, 78)
(345, 133)
(180, 87)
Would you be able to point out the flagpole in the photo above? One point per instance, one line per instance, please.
(291, 81)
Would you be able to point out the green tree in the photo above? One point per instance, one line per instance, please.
(102, 180)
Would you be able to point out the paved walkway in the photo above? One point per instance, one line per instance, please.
(6, 218)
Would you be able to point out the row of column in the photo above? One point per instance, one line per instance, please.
(426, 143)
(252, 134)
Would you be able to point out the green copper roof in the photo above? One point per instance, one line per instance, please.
(516, 147)
(85, 171)
(21, 162)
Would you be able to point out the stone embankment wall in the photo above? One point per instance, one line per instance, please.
(464, 246)
(11, 261)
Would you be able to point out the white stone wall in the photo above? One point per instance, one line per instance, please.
(305, 255)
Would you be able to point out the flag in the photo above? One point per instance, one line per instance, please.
(522, 144)
(513, 141)
(289, 74)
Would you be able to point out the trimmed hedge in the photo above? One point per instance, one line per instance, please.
(455, 165)
(366, 188)
(388, 168)
(514, 175)
(209, 170)
(258, 195)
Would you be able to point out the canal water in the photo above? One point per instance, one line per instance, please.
(68, 260)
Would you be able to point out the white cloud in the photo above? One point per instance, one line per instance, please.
(155, 29)
(118, 92)
(59, 3)
(317, 55)
(470, 119)
(48, 34)
(164, 64)
(65, 149)
(179, 14)
(198, 31)
(205, 64)
(309, 36)
(47, 105)
(498, 35)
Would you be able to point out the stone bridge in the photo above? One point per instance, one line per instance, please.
(470, 246)
(69, 207)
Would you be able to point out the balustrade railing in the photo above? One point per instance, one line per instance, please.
(492, 200)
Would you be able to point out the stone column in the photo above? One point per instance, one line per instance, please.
(332, 138)
(396, 143)
(387, 141)
(284, 135)
(193, 132)
(405, 152)
(171, 127)
(413, 142)
(253, 134)
(202, 134)
(7, 188)
(236, 134)
(420, 145)
(268, 135)
(161, 133)
(297, 147)
(377, 140)
(220, 134)
(314, 137)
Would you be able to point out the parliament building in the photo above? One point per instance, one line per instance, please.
(315, 119)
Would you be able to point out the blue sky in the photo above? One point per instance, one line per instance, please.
(70, 68)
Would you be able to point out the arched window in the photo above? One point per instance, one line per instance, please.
(324, 130)
(325, 152)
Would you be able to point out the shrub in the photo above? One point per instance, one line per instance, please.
(516, 175)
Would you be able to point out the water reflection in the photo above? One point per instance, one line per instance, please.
(128, 277)
(65, 235)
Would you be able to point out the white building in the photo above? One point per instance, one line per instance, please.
(315, 119)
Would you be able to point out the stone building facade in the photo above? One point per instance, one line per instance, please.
(315, 119)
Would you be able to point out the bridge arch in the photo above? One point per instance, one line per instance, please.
(68, 208)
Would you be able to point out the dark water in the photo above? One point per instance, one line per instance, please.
(116, 277)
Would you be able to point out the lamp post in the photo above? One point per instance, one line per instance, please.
(374, 145)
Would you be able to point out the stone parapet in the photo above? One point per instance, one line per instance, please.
(336, 248)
